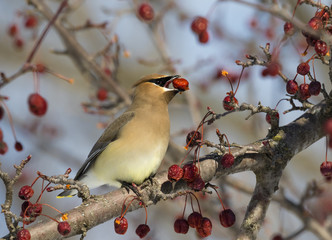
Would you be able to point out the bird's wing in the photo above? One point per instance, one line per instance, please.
(109, 135)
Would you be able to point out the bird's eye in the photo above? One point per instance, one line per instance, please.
(161, 81)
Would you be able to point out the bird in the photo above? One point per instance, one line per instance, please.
(132, 147)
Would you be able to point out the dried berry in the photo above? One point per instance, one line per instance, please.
(23, 234)
(120, 225)
(31, 21)
(193, 138)
(314, 88)
(326, 168)
(18, 146)
(227, 160)
(26, 192)
(25, 205)
(180, 84)
(277, 237)
(181, 226)
(64, 228)
(146, 12)
(289, 28)
(194, 219)
(304, 91)
(199, 25)
(19, 43)
(190, 172)
(198, 184)
(203, 37)
(227, 103)
(321, 48)
(303, 68)
(268, 116)
(227, 218)
(142, 230)
(34, 210)
(13, 30)
(102, 94)
(37, 104)
(205, 227)
(291, 87)
(175, 173)
(328, 127)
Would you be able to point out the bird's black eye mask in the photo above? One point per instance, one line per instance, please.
(164, 81)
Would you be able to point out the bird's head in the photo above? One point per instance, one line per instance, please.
(156, 86)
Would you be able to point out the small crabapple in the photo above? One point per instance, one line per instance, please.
(194, 219)
(26, 192)
(326, 168)
(146, 12)
(181, 226)
(228, 100)
(304, 91)
(190, 172)
(31, 21)
(198, 184)
(142, 230)
(37, 104)
(227, 160)
(13, 30)
(23, 234)
(199, 25)
(3, 147)
(180, 84)
(291, 87)
(64, 228)
(314, 88)
(268, 116)
(303, 68)
(203, 37)
(175, 173)
(227, 218)
(204, 229)
(289, 29)
(321, 48)
(120, 225)
(102, 94)
(193, 138)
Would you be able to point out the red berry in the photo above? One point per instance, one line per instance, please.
(289, 28)
(31, 21)
(18, 146)
(227, 100)
(205, 227)
(268, 116)
(315, 23)
(321, 48)
(175, 173)
(40, 68)
(181, 226)
(326, 168)
(2, 112)
(23, 234)
(194, 219)
(277, 237)
(18, 42)
(102, 94)
(13, 30)
(227, 218)
(291, 87)
(120, 225)
(34, 210)
(142, 230)
(304, 91)
(193, 138)
(37, 104)
(25, 205)
(107, 71)
(303, 68)
(180, 84)
(3, 147)
(198, 184)
(1, 135)
(64, 228)
(314, 88)
(146, 12)
(203, 37)
(26, 192)
(227, 160)
(190, 172)
(199, 25)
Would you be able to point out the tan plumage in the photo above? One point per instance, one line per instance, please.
(133, 146)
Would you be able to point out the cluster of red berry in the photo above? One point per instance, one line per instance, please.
(199, 26)
(121, 223)
(30, 21)
(30, 211)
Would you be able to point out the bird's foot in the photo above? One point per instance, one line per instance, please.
(133, 187)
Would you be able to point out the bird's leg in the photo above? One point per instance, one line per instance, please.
(131, 186)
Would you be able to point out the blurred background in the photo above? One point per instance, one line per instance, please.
(64, 136)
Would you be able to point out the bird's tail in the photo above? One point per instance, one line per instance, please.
(67, 193)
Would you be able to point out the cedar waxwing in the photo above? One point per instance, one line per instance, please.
(132, 147)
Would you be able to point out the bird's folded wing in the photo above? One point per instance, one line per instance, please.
(110, 135)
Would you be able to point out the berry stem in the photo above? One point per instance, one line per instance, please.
(45, 204)
(146, 213)
(51, 22)
(185, 205)
(238, 83)
(214, 188)
(326, 148)
(199, 206)
(10, 119)
(229, 147)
